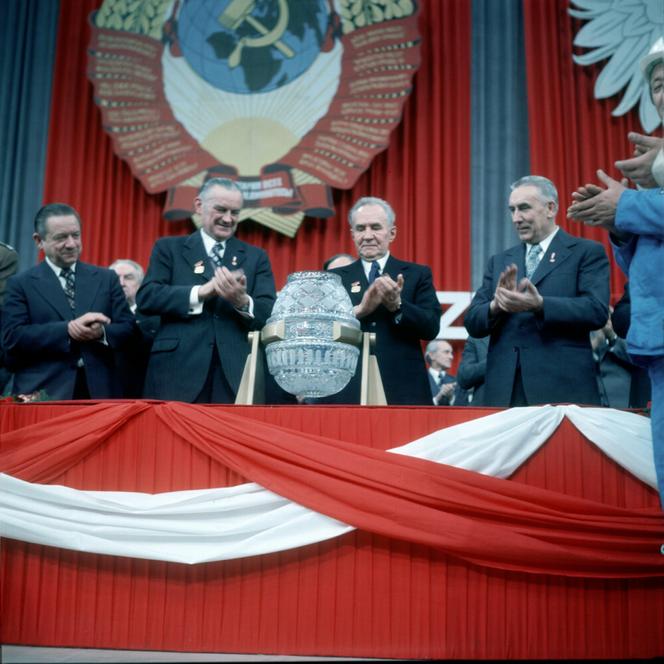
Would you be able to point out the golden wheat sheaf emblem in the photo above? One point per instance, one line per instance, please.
(288, 97)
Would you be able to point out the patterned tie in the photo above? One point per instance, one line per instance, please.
(533, 259)
(374, 272)
(217, 254)
(68, 275)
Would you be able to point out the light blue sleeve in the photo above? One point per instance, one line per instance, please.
(641, 212)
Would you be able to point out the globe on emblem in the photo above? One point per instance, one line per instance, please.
(311, 338)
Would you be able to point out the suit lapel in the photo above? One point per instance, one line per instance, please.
(559, 250)
(354, 280)
(47, 286)
(86, 288)
(515, 255)
(195, 256)
(234, 254)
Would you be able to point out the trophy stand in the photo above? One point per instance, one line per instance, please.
(252, 385)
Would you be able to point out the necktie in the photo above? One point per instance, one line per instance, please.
(68, 275)
(533, 259)
(441, 379)
(374, 272)
(217, 254)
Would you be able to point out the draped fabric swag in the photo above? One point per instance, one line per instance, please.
(359, 594)
(481, 519)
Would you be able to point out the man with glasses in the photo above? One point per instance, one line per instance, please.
(210, 289)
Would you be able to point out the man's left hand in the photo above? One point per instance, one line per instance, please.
(232, 286)
(389, 291)
(525, 298)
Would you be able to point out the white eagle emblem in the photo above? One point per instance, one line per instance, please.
(622, 31)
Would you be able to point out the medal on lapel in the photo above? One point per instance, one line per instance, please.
(199, 267)
(355, 287)
(234, 261)
(552, 259)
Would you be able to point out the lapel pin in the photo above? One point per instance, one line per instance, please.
(355, 287)
(199, 268)
(234, 261)
(552, 259)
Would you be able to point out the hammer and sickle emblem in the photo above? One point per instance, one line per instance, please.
(239, 11)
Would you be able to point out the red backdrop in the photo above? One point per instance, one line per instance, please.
(416, 173)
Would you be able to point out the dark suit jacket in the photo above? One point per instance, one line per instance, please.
(460, 395)
(34, 330)
(640, 390)
(132, 360)
(398, 347)
(472, 368)
(551, 347)
(182, 350)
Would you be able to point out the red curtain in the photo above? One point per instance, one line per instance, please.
(572, 134)
(362, 595)
(424, 173)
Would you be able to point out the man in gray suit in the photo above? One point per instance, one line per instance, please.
(210, 289)
(538, 302)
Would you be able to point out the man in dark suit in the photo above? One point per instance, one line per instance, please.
(8, 267)
(471, 371)
(393, 298)
(210, 289)
(63, 319)
(538, 302)
(132, 361)
(639, 393)
(445, 390)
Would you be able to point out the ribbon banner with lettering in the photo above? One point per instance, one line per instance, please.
(289, 98)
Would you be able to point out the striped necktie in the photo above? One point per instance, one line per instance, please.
(533, 259)
(217, 254)
(68, 275)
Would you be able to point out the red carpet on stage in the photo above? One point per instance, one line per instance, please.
(358, 595)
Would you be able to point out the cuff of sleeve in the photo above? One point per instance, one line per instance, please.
(195, 307)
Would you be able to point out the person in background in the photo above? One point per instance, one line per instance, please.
(133, 359)
(634, 220)
(539, 300)
(64, 320)
(639, 392)
(8, 267)
(444, 388)
(472, 369)
(613, 366)
(338, 260)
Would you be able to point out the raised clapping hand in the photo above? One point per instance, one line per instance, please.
(595, 206)
(228, 284)
(384, 291)
(511, 297)
(639, 168)
(88, 327)
(446, 390)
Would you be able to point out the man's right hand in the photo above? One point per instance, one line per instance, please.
(639, 168)
(88, 327)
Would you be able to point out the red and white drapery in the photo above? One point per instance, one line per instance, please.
(360, 594)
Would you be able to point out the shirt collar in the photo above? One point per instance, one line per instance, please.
(209, 242)
(545, 242)
(381, 263)
(57, 269)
